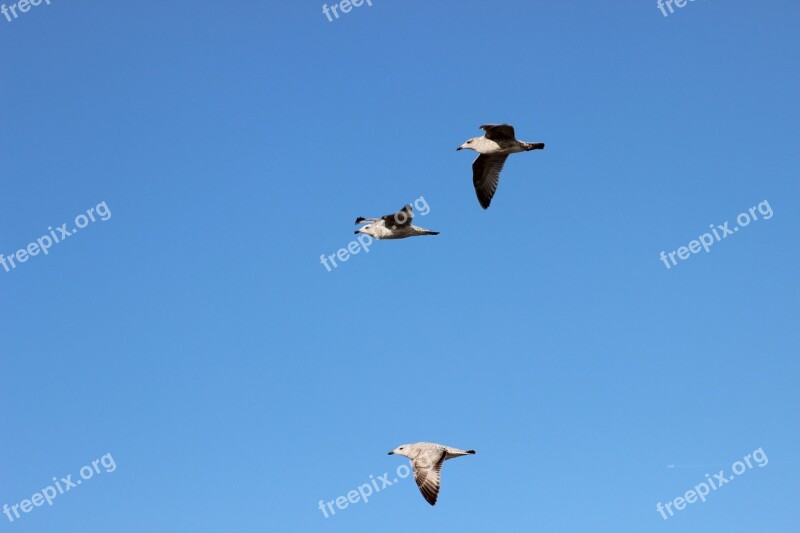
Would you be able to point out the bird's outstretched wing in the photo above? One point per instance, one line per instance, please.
(486, 175)
(428, 473)
(400, 219)
(497, 132)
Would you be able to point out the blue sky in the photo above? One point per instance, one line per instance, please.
(195, 336)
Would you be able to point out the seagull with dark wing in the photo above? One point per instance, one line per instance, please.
(427, 459)
(494, 148)
(396, 226)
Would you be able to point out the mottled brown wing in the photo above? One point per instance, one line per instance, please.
(428, 473)
(400, 219)
(486, 175)
(498, 132)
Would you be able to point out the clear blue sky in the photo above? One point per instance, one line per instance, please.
(195, 336)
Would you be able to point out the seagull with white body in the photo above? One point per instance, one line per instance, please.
(396, 226)
(494, 148)
(427, 459)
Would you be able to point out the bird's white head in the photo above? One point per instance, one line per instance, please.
(404, 450)
(367, 230)
(470, 144)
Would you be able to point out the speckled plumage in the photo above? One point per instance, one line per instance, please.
(394, 226)
(427, 459)
(494, 148)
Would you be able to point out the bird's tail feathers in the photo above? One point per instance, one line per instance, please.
(359, 220)
(456, 452)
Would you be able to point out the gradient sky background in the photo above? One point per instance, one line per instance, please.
(196, 337)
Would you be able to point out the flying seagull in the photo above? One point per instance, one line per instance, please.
(396, 226)
(494, 148)
(427, 459)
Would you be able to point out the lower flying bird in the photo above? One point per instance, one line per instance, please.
(427, 459)
(494, 148)
(396, 226)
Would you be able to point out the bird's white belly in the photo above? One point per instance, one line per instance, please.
(490, 147)
(382, 232)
